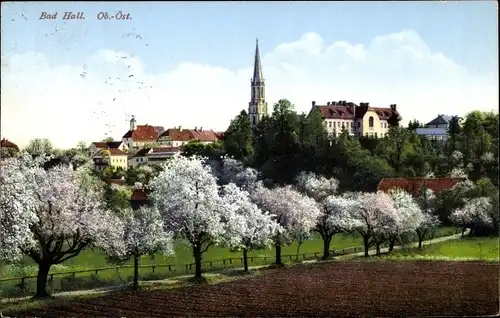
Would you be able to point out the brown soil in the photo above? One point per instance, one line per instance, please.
(322, 290)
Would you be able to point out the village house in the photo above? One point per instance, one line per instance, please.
(110, 157)
(152, 156)
(7, 144)
(436, 129)
(357, 120)
(416, 185)
(105, 145)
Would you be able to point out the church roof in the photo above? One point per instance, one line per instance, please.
(257, 67)
(142, 133)
(350, 111)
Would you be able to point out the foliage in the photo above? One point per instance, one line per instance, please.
(70, 216)
(238, 142)
(16, 206)
(187, 195)
(143, 234)
(474, 213)
(39, 146)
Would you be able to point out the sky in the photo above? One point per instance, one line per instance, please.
(189, 64)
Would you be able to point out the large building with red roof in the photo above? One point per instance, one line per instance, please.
(357, 120)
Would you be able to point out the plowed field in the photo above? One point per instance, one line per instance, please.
(328, 290)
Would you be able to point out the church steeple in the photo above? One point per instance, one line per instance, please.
(257, 107)
(257, 67)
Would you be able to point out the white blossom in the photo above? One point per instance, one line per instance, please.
(254, 227)
(187, 196)
(295, 212)
(410, 215)
(476, 211)
(488, 157)
(233, 171)
(16, 206)
(143, 234)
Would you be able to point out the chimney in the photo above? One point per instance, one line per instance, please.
(201, 128)
(180, 127)
(393, 107)
(327, 103)
(313, 104)
(196, 128)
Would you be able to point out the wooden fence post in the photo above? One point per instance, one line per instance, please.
(224, 262)
(153, 267)
(230, 260)
(210, 264)
(169, 268)
(73, 274)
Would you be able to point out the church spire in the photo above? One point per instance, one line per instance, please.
(257, 68)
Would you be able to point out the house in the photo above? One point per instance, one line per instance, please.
(139, 136)
(7, 144)
(110, 157)
(139, 158)
(152, 156)
(436, 129)
(104, 145)
(176, 137)
(357, 120)
(415, 185)
(139, 198)
(158, 155)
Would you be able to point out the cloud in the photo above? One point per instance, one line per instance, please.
(68, 103)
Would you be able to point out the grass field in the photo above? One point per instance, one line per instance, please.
(467, 248)
(89, 259)
(334, 289)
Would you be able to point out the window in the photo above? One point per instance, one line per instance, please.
(253, 120)
(350, 124)
(381, 125)
(330, 124)
(370, 122)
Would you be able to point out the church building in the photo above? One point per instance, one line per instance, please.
(257, 107)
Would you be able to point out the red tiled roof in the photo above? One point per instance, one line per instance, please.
(177, 134)
(100, 145)
(142, 133)
(204, 135)
(414, 185)
(4, 143)
(116, 152)
(348, 110)
(139, 195)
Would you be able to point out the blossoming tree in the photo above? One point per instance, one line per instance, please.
(333, 208)
(143, 234)
(475, 212)
(295, 213)
(187, 195)
(70, 217)
(233, 171)
(410, 216)
(16, 206)
(373, 216)
(254, 227)
(427, 201)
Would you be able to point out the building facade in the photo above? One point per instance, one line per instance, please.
(436, 129)
(257, 107)
(356, 120)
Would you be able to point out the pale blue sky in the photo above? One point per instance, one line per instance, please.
(222, 34)
(194, 62)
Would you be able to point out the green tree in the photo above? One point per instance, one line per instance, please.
(39, 146)
(238, 138)
(414, 124)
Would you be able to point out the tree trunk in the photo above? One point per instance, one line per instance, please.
(298, 250)
(366, 244)
(41, 280)
(392, 242)
(278, 254)
(420, 240)
(197, 261)
(378, 249)
(326, 247)
(463, 231)
(470, 231)
(245, 260)
(136, 271)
